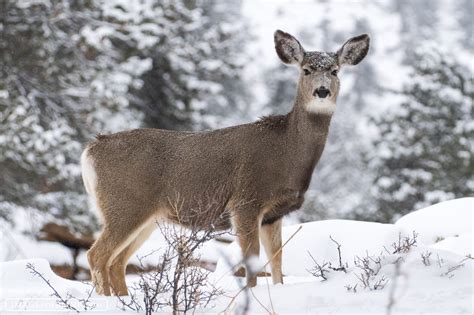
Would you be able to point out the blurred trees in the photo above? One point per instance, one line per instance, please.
(419, 23)
(71, 69)
(43, 110)
(424, 152)
(194, 50)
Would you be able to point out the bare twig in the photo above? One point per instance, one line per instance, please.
(425, 258)
(65, 302)
(404, 244)
(341, 266)
(269, 295)
(176, 281)
(259, 302)
(351, 288)
(318, 271)
(459, 265)
(370, 267)
(440, 261)
(281, 247)
(380, 284)
(86, 302)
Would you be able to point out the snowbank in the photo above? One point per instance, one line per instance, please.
(440, 283)
(434, 276)
(18, 281)
(355, 237)
(435, 223)
(446, 226)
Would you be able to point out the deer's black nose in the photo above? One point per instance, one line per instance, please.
(322, 92)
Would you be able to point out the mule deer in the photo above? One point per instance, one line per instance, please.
(256, 172)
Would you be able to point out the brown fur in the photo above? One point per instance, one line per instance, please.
(243, 176)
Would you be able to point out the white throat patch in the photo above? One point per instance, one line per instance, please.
(321, 106)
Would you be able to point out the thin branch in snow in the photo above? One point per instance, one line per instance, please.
(269, 295)
(459, 265)
(440, 261)
(370, 267)
(425, 258)
(404, 244)
(351, 288)
(261, 304)
(318, 271)
(64, 302)
(341, 266)
(380, 284)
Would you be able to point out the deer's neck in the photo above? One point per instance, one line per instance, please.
(310, 128)
(307, 134)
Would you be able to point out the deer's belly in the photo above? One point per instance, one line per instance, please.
(283, 206)
(205, 218)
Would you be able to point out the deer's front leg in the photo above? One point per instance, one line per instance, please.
(247, 229)
(271, 240)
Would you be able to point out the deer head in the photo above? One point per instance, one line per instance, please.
(318, 84)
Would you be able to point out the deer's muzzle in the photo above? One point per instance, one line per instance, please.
(322, 92)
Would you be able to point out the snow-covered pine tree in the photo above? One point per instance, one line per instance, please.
(419, 23)
(56, 93)
(280, 82)
(424, 152)
(196, 51)
(227, 33)
(40, 135)
(73, 69)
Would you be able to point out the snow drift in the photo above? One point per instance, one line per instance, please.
(434, 276)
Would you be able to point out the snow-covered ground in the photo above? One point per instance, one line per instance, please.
(434, 276)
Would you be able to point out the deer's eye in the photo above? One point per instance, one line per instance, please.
(306, 72)
(334, 72)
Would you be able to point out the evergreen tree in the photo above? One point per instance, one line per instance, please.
(419, 23)
(281, 82)
(227, 34)
(71, 70)
(56, 93)
(196, 53)
(424, 152)
(40, 138)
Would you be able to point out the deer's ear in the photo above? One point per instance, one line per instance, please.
(288, 48)
(354, 50)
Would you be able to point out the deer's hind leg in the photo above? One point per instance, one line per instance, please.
(119, 264)
(118, 232)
